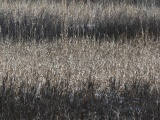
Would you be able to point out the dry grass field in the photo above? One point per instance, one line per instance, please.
(21, 20)
(78, 60)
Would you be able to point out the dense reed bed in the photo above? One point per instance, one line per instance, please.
(136, 101)
(79, 79)
(134, 2)
(79, 60)
(55, 20)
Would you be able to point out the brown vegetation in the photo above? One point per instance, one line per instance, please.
(51, 21)
(79, 61)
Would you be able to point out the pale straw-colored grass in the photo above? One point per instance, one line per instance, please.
(78, 59)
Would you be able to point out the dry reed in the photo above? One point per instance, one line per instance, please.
(97, 21)
(52, 67)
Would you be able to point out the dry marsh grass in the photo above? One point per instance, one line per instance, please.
(79, 79)
(79, 58)
(96, 21)
(79, 61)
